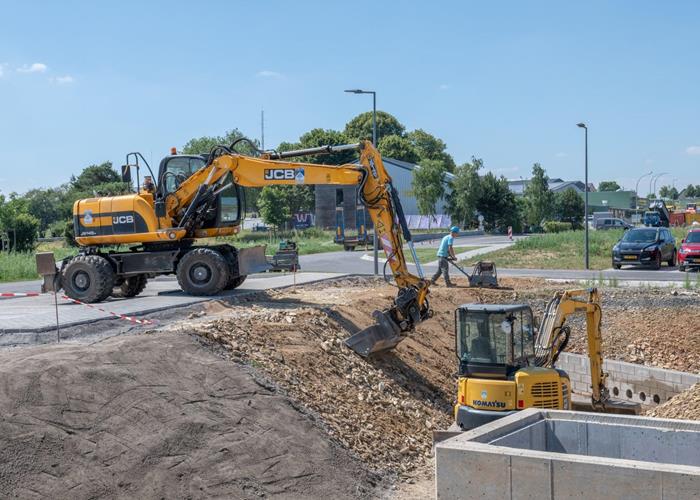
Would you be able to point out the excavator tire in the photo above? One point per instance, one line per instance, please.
(202, 271)
(131, 286)
(88, 278)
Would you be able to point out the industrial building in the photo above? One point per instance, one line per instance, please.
(327, 197)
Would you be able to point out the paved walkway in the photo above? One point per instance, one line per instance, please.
(37, 314)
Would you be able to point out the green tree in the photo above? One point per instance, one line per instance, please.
(360, 127)
(93, 176)
(399, 148)
(464, 192)
(664, 191)
(689, 191)
(538, 196)
(277, 204)
(204, 144)
(48, 206)
(608, 186)
(430, 147)
(21, 227)
(497, 204)
(429, 186)
(569, 207)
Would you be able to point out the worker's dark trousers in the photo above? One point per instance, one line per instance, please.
(444, 269)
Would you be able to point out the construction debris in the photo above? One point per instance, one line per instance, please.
(685, 406)
(370, 407)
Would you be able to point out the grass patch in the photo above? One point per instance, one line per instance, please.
(18, 266)
(426, 255)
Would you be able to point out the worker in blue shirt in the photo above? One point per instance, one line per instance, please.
(445, 253)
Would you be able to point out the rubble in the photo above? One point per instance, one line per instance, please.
(385, 409)
(685, 406)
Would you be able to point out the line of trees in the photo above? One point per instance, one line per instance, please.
(47, 212)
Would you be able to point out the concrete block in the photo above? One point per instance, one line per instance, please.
(585, 455)
(593, 480)
(482, 475)
(679, 486)
(530, 478)
(690, 379)
(674, 377)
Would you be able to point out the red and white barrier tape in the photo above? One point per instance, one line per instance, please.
(117, 315)
(66, 297)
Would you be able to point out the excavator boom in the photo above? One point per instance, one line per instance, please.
(167, 217)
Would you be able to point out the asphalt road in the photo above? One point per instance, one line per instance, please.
(20, 316)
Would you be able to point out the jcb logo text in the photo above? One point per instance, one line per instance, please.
(279, 174)
(123, 219)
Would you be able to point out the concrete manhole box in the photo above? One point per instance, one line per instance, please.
(564, 454)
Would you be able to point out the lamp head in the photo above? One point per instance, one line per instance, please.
(354, 91)
(581, 125)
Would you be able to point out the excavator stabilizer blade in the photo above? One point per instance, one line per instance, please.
(384, 335)
(252, 260)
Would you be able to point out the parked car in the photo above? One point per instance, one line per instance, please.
(611, 223)
(645, 246)
(689, 252)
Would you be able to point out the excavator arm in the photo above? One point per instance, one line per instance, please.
(194, 196)
(554, 335)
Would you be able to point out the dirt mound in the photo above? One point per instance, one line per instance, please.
(384, 409)
(157, 416)
(685, 406)
(649, 327)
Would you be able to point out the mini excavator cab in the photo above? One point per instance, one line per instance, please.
(495, 345)
(494, 341)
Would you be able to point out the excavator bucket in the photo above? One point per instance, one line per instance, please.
(385, 334)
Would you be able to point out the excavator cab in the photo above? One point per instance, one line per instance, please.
(493, 341)
(176, 169)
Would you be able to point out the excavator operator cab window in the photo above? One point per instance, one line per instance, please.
(176, 169)
(494, 336)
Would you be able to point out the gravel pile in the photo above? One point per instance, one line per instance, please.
(380, 409)
(685, 406)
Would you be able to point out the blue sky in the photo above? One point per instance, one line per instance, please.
(86, 82)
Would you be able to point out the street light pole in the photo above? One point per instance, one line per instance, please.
(636, 188)
(585, 201)
(374, 143)
(656, 179)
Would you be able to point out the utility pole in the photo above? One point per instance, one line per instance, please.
(585, 201)
(262, 129)
(374, 143)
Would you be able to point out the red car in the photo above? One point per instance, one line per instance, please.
(689, 253)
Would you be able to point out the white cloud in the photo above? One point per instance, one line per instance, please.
(444, 86)
(268, 74)
(693, 150)
(561, 155)
(33, 68)
(62, 80)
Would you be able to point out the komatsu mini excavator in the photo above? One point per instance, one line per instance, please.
(506, 365)
(198, 196)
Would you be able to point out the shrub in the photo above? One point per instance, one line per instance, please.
(552, 226)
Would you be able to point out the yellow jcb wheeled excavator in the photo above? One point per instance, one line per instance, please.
(505, 365)
(198, 196)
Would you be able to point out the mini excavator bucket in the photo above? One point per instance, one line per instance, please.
(385, 334)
